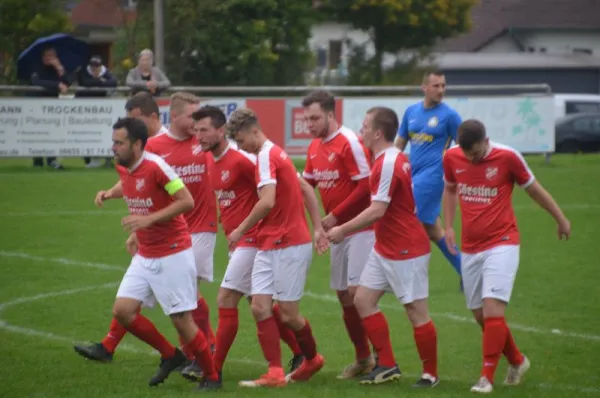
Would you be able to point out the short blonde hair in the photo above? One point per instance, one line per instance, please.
(180, 99)
(241, 119)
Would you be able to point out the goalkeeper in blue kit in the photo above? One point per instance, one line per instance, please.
(430, 126)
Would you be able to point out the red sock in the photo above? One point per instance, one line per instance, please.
(378, 331)
(201, 317)
(184, 347)
(426, 339)
(494, 339)
(226, 332)
(511, 351)
(286, 334)
(268, 337)
(199, 346)
(357, 333)
(116, 332)
(143, 329)
(211, 335)
(306, 341)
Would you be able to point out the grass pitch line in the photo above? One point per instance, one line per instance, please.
(317, 296)
(51, 336)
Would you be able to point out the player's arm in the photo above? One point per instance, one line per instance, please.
(369, 216)
(449, 203)
(266, 202)
(307, 174)
(452, 127)
(116, 192)
(543, 198)
(402, 137)
(311, 203)
(182, 202)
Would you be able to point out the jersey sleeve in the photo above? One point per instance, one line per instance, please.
(449, 177)
(166, 177)
(383, 188)
(520, 171)
(453, 122)
(355, 157)
(266, 169)
(403, 130)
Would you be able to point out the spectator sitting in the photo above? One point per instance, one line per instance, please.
(146, 77)
(53, 78)
(95, 75)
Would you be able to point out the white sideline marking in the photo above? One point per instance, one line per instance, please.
(51, 336)
(102, 212)
(322, 297)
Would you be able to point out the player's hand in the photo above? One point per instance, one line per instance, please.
(336, 235)
(564, 229)
(451, 241)
(132, 244)
(233, 238)
(135, 222)
(321, 241)
(328, 222)
(100, 198)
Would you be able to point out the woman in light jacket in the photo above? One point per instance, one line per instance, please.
(146, 77)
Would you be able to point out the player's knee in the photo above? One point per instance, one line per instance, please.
(261, 309)
(227, 298)
(345, 297)
(290, 316)
(363, 303)
(123, 314)
(417, 312)
(493, 308)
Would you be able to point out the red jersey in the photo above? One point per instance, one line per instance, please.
(232, 178)
(147, 188)
(335, 164)
(189, 162)
(399, 234)
(485, 190)
(286, 224)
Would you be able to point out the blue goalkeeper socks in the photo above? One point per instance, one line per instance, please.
(454, 260)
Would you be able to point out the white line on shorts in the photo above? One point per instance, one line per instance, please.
(318, 296)
(51, 336)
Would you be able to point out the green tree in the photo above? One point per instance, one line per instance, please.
(21, 23)
(402, 24)
(235, 42)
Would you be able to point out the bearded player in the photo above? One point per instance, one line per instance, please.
(480, 175)
(163, 268)
(399, 261)
(430, 127)
(285, 251)
(180, 150)
(338, 165)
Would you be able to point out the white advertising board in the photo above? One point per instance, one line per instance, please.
(525, 123)
(58, 127)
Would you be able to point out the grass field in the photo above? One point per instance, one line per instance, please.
(62, 260)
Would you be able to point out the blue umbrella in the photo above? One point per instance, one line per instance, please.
(71, 52)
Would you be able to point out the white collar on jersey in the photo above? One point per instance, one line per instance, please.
(137, 164)
(489, 149)
(170, 135)
(335, 134)
(162, 130)
(217, 158)
(266, 146)
(392, 148)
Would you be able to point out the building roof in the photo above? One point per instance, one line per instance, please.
(491, 18)
(483, 61)
(101, 13)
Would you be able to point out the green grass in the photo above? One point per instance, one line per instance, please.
(52, 240)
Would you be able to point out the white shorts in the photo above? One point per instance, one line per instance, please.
(407, 279)
(203, 245)
(169, 280)
(281, 273)
(238, 275)
(489, 274)
(348, 259)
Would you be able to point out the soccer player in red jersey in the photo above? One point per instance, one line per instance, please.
(143, 106)
(399, 261)
(339, 166)
(285, 250)
(480, 175)
(231, 172)
(180, 149)
(163, 267)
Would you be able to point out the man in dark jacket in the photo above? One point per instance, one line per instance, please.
(53, 78)
(95, 74)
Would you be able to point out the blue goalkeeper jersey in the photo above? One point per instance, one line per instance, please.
(430, 132)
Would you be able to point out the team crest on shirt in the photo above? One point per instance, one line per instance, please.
(139, 184)
(196, 149)
(406, 167)
(331, 157)
(491, 173)
(224, 175)
(433, 122)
